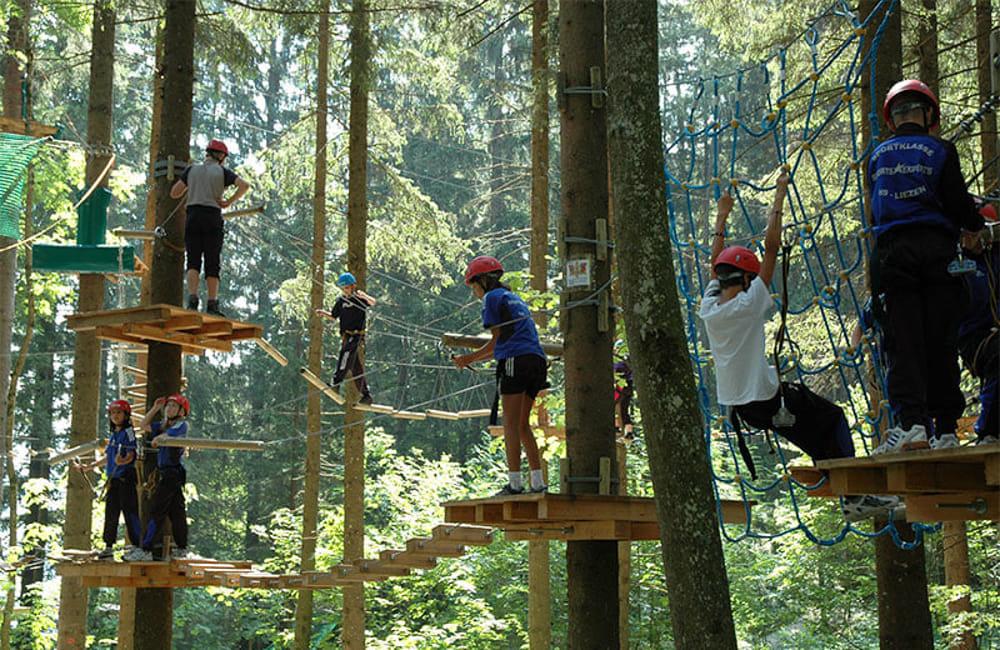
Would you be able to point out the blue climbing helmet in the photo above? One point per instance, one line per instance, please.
(346, 280)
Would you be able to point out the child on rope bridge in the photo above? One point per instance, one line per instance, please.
(736, 306)
(978, 340)
(168, 496)
(623, 399)
(203, 231)
(918, 201)
(351, 308)
(120, 491)
(521, 367)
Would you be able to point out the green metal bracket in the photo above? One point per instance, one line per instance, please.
(90, 255)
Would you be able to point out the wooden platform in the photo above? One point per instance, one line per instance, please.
(571, 517)
(22, 127)
(960, 484)
(176, 574)
(195, 332)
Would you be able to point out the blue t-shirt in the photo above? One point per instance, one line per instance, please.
(506, 310)
(121, 443)
(169, 456)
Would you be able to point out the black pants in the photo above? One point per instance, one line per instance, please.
(203, 235)
(351, 348)
(122, 499)
(168, 502)
(981, 355)
(623, 400)
(820, 427)
(920, 309)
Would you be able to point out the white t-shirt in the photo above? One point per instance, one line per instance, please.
(736, 336)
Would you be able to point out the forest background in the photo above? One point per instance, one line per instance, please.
(449, 177)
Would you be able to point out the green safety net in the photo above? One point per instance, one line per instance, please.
(16, 153)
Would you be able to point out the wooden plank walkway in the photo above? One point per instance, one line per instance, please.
(959, 484)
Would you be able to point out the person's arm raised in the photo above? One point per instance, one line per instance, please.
(725, 206)
(772, 238)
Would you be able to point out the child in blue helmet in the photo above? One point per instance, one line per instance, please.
(351, 308)
(120, 497)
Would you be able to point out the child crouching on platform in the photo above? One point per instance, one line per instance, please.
(521, 367)
(736, 306)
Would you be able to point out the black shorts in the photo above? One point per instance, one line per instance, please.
(203, 234)
(527, 373)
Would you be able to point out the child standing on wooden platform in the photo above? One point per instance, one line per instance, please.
(352, 309)
(521, 367)
(120, 496)
(168, 497)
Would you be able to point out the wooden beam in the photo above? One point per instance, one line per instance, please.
(443, 415)
(858, 480)
(153, 333)
(324, 387)
(903, 478)
(458, 340)
(257, 209)
(271, 351)
(27, 127)
(116, 334)
(74, 452)
(378, 567)
(977, 454)
(407, 559)
(185, 322)
(221, 329)
(209, 443)
(384, 409)
(967, 506)
(409, 415)
(625, 531)
(436, 548)
(992, 470)
(469, 535)
(474, 413)
(90, 320)
(809, 476)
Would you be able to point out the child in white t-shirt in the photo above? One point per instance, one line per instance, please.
(736, 306)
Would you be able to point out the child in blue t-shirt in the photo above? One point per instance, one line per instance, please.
(121, 497)
(521, 367)
(168, 497)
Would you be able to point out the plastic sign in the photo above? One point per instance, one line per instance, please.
(579, 273)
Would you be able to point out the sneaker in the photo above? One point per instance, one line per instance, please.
(107, 554)
(857, 508)
(193, 302)
(179, 554)
(539, 490)
(987, 440)
(509, 490)
(896, 439)
(365, 399)
(944, 441)
(213, 309)
(136, 554)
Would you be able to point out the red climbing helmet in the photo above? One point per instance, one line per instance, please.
(739, 256)
(480, 265)
(121, 405)
(910, 86)
(988, 212)
(181, 402)
(217, 145)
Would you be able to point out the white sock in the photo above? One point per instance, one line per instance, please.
(514, 478)
(537, 482)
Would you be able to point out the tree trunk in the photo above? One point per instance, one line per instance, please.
(353, 635)
(694, 565)
(154, 148)
(314, 418)
(539, 584)
(904, 611)
(592, 566)
(41, 429)
(989, 83)
(13, 74)
(956, 574)
(22, 357)
(87, 360)
(927, 45)
(154, 607)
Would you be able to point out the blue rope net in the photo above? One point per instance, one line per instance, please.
(16, 154)
(800, 110)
